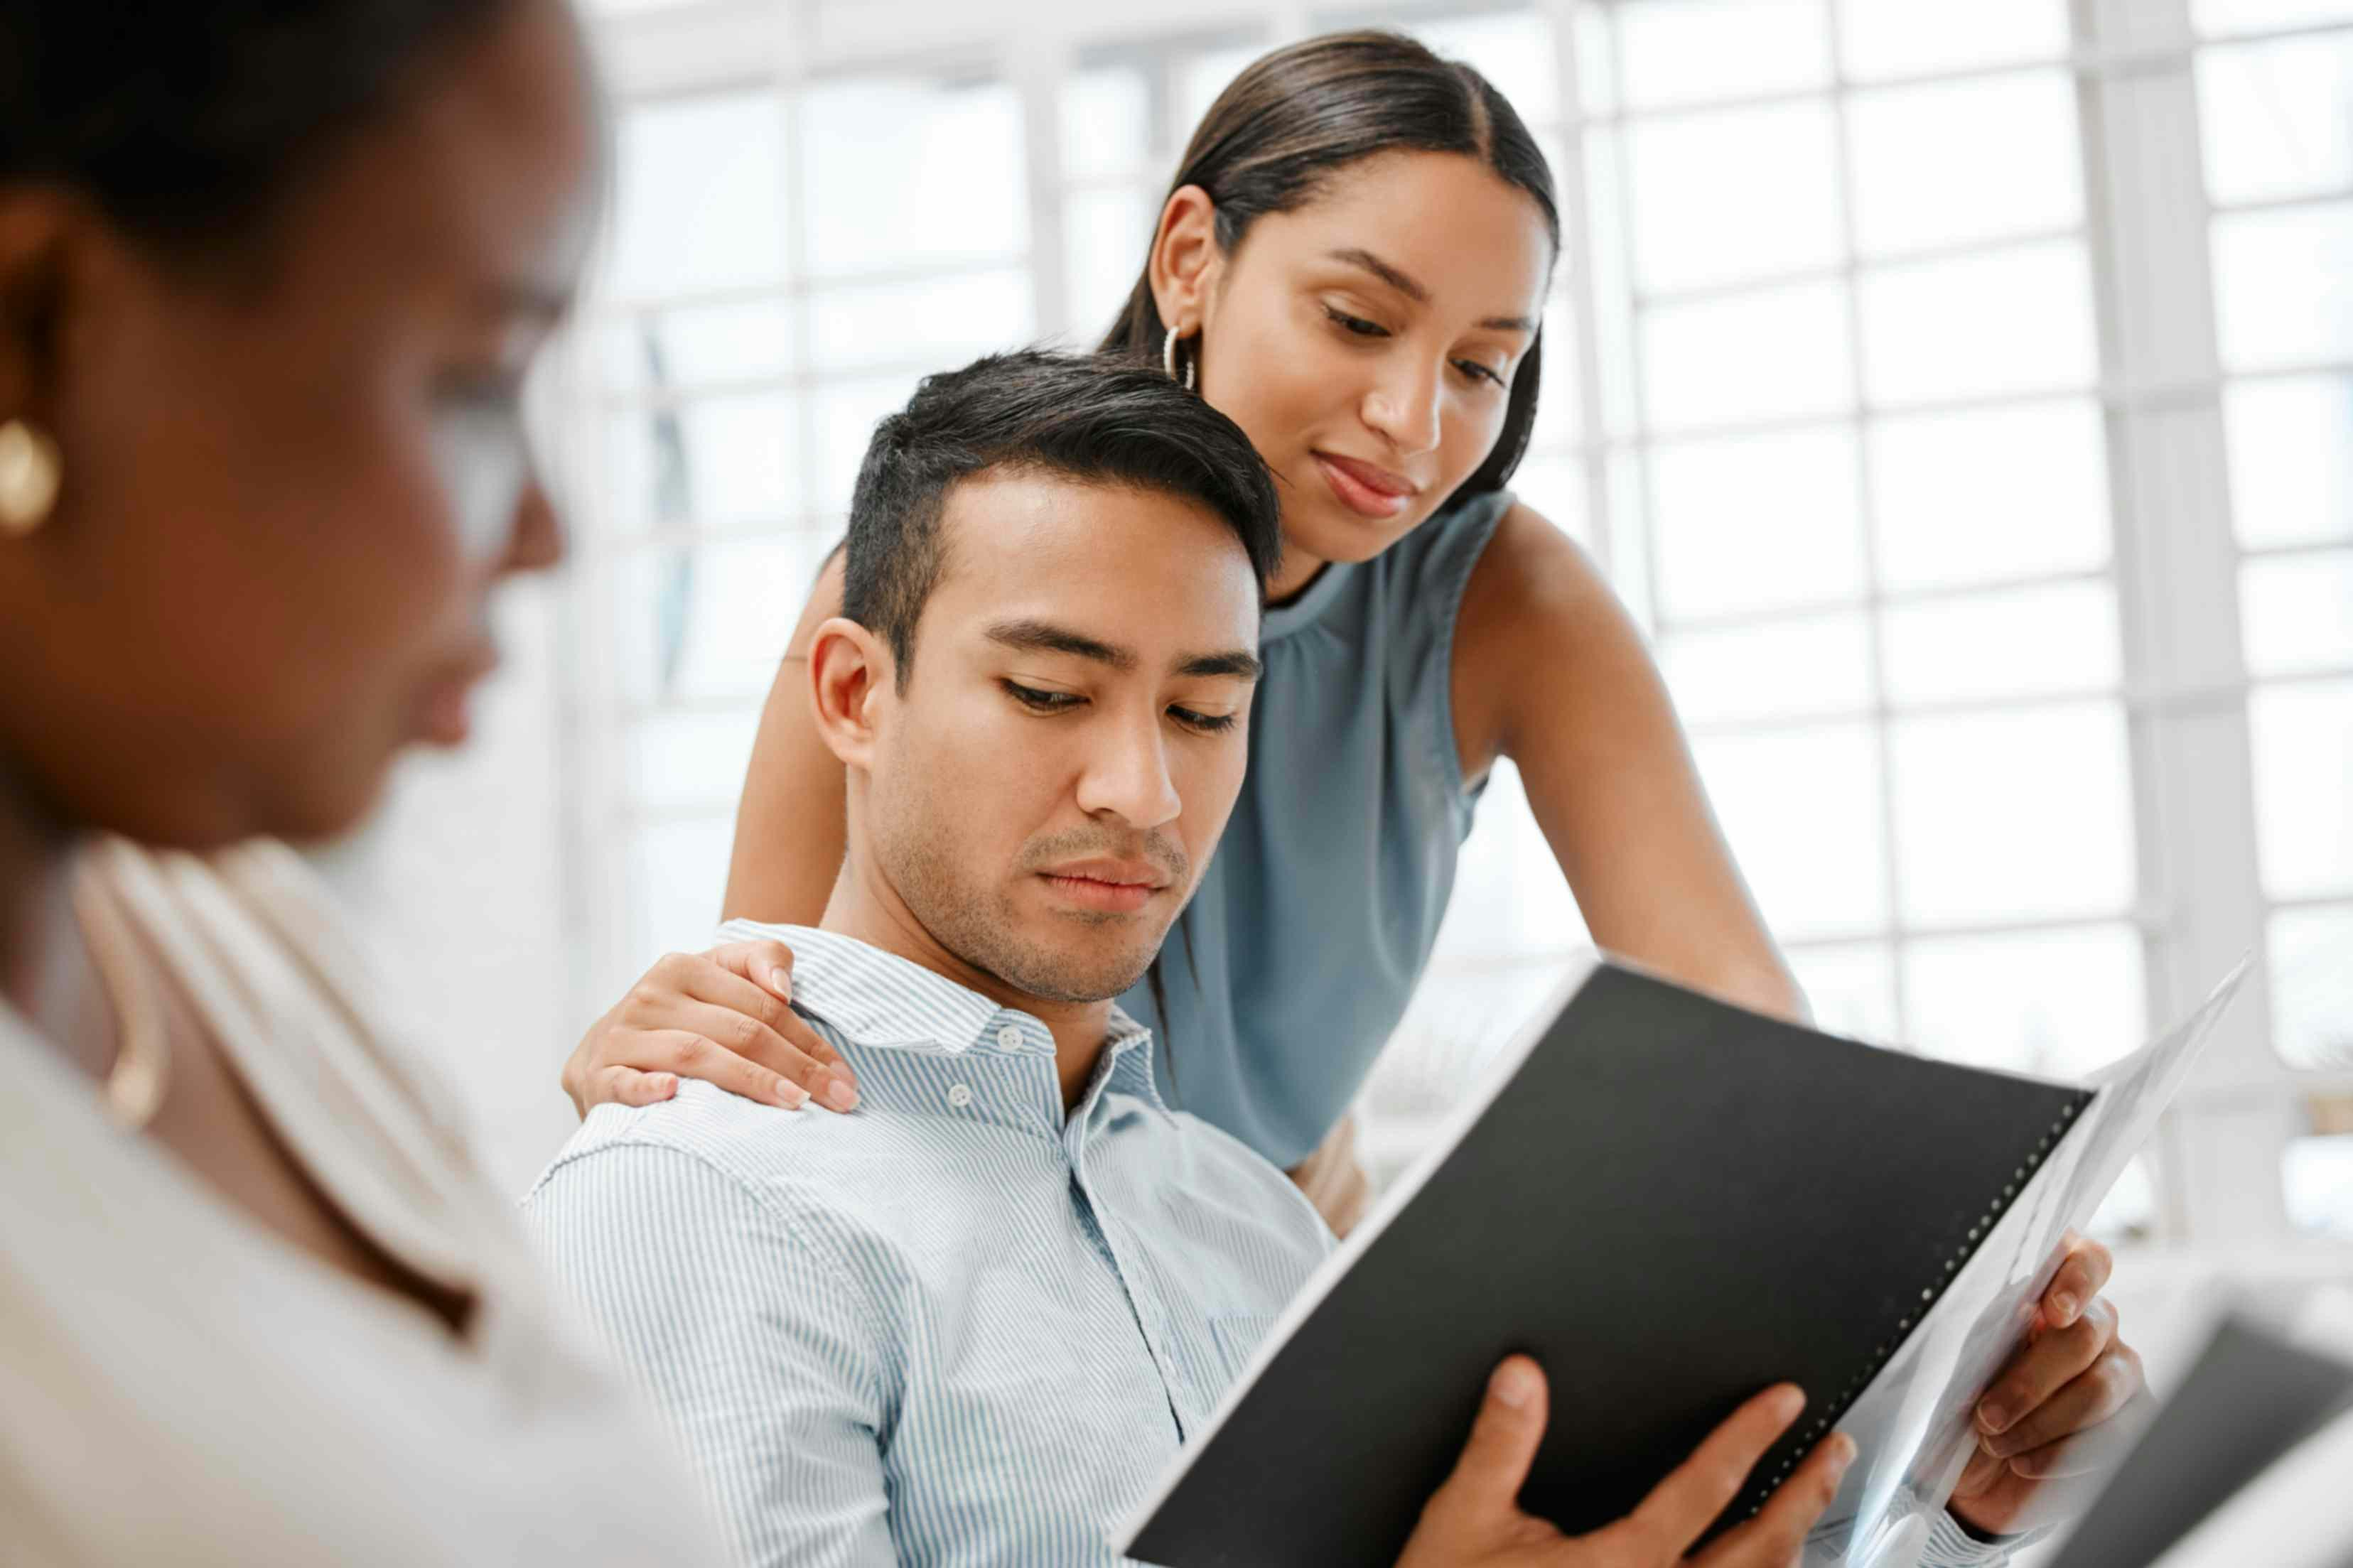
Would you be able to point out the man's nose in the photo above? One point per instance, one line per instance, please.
(1127, 775)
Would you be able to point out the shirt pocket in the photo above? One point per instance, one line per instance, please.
(1238, 1337)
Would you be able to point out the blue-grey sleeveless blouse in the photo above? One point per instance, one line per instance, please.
(1312, 924)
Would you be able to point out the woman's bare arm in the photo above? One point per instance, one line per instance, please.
(789, 832)
(1550, 671)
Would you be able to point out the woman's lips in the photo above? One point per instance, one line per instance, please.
(1364, 489)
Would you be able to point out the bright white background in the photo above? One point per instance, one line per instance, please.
(1960, 395)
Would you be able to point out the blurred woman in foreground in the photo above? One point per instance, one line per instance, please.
(271, 272)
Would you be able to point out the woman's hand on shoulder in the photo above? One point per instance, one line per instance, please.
(723, 1016)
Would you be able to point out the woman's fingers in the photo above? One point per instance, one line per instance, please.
(691, 1052)
(2099, 1392)
(2045, 1365)
(1681, 1507)
(627, 1086)
(767, 1030)
(1777, 1534)
(2083, 1276)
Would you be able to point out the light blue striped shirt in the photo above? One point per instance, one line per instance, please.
(955, 1326)
(952, 1327)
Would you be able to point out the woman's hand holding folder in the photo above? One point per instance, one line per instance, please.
(1474, 1520)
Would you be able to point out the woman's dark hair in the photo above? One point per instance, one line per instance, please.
(1297, 117)
(188, 122)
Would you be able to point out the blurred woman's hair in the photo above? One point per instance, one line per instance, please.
(188, 122)
(1296, 118)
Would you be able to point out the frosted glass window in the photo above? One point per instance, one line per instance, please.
(1989, 494)
(2311, 955)
(677, 761)
(1105, 235)
(2318, 1176)
(2056, 1002)
(711, 623)
(1850, 987)
(1513, 49)
(1965, 160)
(700, 202)
(1510, 897)
(1762, 356)
(1916, 38)
(1200, 78)
(695, 345)
(678, 874)
(1744, 193)
(2246, 15)
(2303, 737)
(1817, 667)
(716, 461)
(1690, 51)
(2283, 285)
(847, 413)
(2012, 322)
(2031, 641)
(906, 172)
(1555, 488)
(2296, 613)
(2013, 817)
(1802, 813)
(1457, 1023)
(935, 324)
(1560, 411)
(2290, 460)
(1106, 123)
(1755, 522)
(2277, 118)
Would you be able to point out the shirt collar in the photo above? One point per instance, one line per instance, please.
(879, 999)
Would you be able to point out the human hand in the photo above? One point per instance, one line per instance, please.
(720, 1015)
(2065, 1406)
(1474, 1520)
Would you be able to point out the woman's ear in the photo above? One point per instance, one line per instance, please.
(849, 670)
(1185, 258)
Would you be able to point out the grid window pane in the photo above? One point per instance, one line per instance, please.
(1106, 123)
(1745, 193)
(1104, 236)
(700, 202)
(2030, 642)
(847, 413)
(1909, 37)
(1560, 409)
(2318, 1175)
(1989, 495)
(689, 759)
(1850, 987)
(2297, 612)
(1696, 51)
(2056, 1002)
(711, 623)
(1555, 488)
(1756, 523)
(2277, 118)
(938, 322)
(2015, 320)
(904, 172)
(2303, 738)
(1778, 355)
(2246, 15)
(2312, 987)
(2283, 285)
(1817, 667)
(2290, 460)
(695, 345)
(1965, 160)
(2011, 816)
(1511, 49)
(1200, 77)
(1510, 899)
(1800, 810)
(677, 874)
(716, 461)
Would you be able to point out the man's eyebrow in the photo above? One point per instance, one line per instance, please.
(1237, 663)
(1044, 636)
(1407, 285)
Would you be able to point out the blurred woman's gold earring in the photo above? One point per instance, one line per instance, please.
(29, 465)
(1169, 360)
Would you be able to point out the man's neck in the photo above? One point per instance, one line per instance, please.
(863, 906)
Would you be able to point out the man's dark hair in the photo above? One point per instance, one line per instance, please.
(1089, 418)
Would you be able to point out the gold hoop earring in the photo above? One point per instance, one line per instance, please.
(29, 465)
(1168, 360)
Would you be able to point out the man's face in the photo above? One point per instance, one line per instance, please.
(1046, 790)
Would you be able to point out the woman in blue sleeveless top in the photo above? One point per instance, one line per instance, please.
(1350, 265)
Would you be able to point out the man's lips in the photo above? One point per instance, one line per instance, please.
(1118, 886)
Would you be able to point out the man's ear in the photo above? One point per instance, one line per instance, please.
(850, 670)
(1185, 258)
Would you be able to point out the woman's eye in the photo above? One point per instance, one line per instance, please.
(1038, 701)
(1356, 324)
(1477, 371)
(494, 390)
(1207, 723)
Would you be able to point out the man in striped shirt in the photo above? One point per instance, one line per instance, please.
(972, 1321)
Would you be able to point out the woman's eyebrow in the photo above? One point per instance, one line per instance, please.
(1407, 285)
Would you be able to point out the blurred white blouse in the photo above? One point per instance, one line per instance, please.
(177, 1384)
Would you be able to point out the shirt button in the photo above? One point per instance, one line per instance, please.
(1010, 1037)
(960, 1096)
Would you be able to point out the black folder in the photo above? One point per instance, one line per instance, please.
(1670, 1203)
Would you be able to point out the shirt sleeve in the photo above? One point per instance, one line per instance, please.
(746, 1332)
